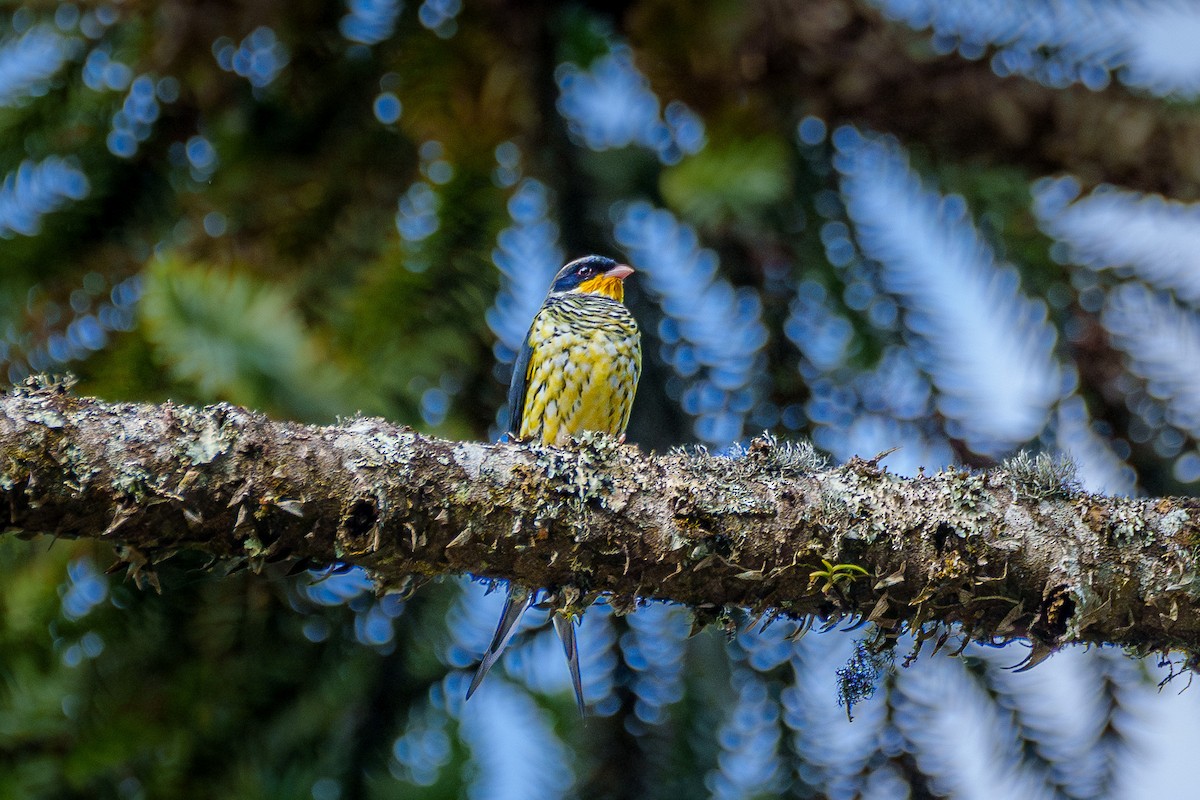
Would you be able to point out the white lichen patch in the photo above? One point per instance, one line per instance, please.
(1173, 521)
(470, 458)
(207, 444)
(79, 464)
(579, 473)
(1042, 477)
(46, 417)
(372, 443)
(131, 480)
(1126, 524)
(1019, 525)
(964, 505)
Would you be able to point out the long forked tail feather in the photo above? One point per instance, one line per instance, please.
(518, 600)
(565, 629)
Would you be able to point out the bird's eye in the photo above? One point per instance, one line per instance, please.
(585, 272)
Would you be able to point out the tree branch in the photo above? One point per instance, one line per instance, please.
(1013, 552)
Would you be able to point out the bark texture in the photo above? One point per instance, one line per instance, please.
(1016, 551)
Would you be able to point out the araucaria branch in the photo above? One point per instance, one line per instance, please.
(1017, 551)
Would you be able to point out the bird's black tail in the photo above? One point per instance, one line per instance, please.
(519, 598)
(565, 628)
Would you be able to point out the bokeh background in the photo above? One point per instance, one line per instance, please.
(959, 228)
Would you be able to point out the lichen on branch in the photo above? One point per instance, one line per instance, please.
(1018, 551)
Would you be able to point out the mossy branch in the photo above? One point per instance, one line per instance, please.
(1005, 553)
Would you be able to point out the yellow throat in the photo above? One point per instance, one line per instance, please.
(603, 284)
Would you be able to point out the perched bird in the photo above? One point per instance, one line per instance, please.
(577, 371)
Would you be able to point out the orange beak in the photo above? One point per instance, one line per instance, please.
(620, 272)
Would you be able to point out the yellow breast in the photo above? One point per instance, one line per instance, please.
(583, 372)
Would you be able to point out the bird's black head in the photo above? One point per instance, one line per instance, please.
(592, 275)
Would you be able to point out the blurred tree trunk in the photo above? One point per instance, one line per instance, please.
(843, 61)
(1017, 551)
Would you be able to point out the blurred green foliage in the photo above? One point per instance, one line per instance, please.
(729, 183)
(232, 337)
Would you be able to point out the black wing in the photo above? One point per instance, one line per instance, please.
(516, 388)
